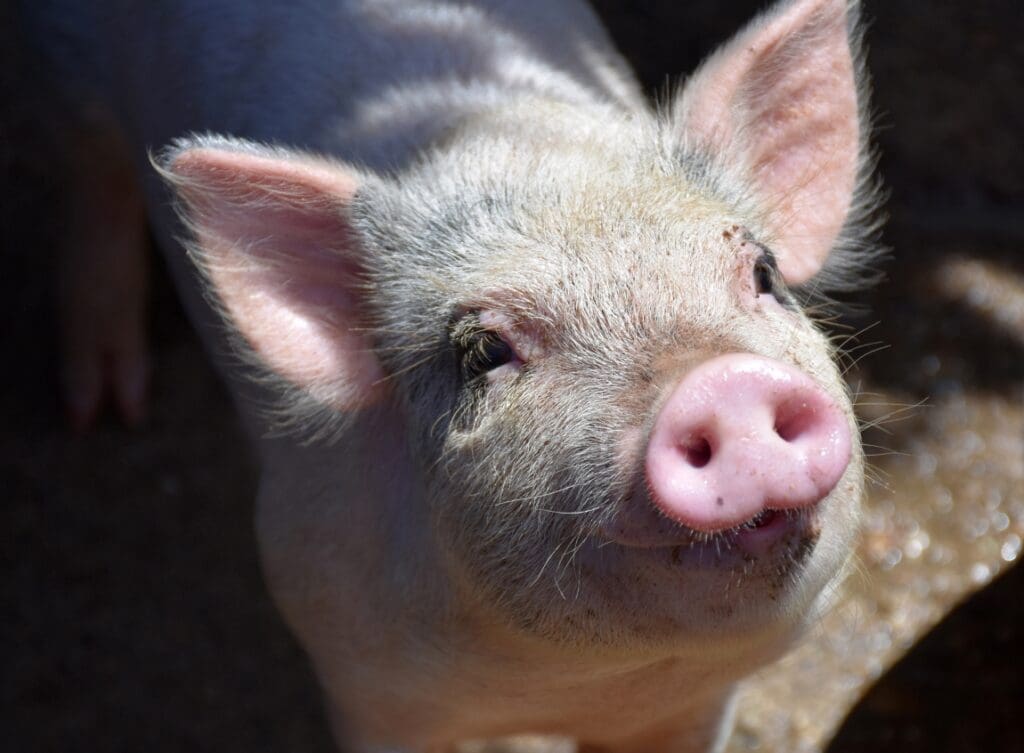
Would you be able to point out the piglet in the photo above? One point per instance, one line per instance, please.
(550, 443)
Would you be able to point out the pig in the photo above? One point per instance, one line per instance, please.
(550, 442)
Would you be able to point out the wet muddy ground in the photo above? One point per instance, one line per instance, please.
(133, 616)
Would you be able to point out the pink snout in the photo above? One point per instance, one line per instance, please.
(742, 434)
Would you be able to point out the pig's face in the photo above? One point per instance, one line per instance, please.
(535, 319)
(626, 431)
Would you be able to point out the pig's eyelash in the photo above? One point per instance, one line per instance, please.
(764, 277)
(766, 267)
(478, 349)
(485, 352)
(767, 277)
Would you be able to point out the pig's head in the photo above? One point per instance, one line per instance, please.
(589, 324)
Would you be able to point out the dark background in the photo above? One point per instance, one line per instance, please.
(133, 616)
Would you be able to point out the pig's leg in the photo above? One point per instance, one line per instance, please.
(102, 288)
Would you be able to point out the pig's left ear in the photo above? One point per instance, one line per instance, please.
(272, 233)
(780, 101)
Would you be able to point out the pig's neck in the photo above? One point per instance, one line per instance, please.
(348, 550)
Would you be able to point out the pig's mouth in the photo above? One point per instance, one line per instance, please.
(768, 533)
(762, 531)
(761, 520)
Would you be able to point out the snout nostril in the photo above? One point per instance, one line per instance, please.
(793, 419)
(698, 452)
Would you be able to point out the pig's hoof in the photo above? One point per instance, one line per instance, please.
(120, 371)
(102, 331)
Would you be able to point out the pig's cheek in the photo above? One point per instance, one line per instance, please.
(628, 448)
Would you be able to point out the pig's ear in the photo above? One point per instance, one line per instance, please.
(271, 232)
(781, 101)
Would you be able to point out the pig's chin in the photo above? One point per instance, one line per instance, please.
(751, 576)
(789, 535)
(670, 589)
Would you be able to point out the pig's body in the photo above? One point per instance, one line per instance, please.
(318, 74)
(502, 551)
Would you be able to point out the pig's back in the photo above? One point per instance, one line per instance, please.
(326, 75)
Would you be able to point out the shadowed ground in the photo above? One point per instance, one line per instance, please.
(133, 615)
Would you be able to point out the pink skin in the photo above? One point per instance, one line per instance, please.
(741, 435)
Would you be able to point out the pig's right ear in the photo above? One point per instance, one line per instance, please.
(271, 232)
(781, 103)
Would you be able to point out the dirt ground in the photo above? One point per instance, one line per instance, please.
(133, 614)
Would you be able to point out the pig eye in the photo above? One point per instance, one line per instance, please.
(764, 276)
(485, 351)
